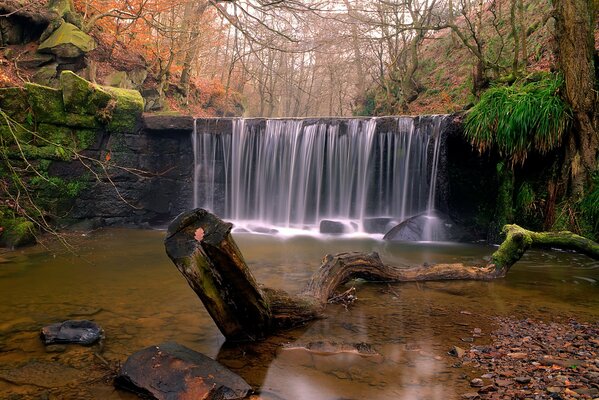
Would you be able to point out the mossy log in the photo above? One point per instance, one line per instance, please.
(202, 248)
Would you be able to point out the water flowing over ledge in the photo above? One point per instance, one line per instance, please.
(282, 174)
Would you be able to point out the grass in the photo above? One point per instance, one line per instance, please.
(519, 119)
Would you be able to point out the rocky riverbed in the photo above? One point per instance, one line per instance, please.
(533, 359)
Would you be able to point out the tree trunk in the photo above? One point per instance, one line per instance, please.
(201, 246)
(575, 48)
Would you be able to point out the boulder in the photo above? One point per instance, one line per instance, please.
(171, 371)
(334, 227)
(72, 331)
(67, 41)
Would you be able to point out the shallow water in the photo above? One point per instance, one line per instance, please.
(123, 280)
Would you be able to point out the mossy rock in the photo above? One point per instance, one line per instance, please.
(17, 232)
(46, 75)
(62, 135)
(78, 139)
(48, 107)
(46, 103)
(14, 103)
(81, 96)
(67, 41)
(23, 133)
(127, 111)
(47, 152)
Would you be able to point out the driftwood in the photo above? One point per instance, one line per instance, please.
(202, 248)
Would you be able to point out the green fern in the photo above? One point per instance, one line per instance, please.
(519, 119)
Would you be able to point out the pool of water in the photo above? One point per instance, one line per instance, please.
(123, 280)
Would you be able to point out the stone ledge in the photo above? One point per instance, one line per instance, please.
(171, 123)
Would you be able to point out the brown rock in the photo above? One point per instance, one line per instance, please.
(174, 372)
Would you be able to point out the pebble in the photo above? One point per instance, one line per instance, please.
(522, 379)
(476, 382)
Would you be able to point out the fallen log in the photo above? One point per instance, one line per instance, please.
(201, 246)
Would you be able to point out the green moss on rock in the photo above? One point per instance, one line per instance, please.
(16, 232)
(81, 96)
(46, 103)
(67, 41)
(127, 110)
(14, 103)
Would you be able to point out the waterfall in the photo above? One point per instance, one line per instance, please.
(294, 173)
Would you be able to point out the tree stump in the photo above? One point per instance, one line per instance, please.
(201, 246)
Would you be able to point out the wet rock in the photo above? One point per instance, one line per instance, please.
(333, 227)
(171, 371)
(72, 331)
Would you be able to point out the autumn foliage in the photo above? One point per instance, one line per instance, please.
(168, 39)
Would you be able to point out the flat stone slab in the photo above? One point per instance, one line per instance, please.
(160, 122)
(72, 331)
(171, 371)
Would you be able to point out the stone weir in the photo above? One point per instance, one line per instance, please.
(161, 169)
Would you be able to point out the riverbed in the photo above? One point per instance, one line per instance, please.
(123, 280)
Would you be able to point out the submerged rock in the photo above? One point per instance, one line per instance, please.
(72, 331)
(330, 348)
(174, 372)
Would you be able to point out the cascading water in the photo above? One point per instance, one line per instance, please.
(295, 173)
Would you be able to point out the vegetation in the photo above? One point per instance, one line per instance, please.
(519, 119)
(53, 125)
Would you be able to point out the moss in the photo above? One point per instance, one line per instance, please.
(75, 92)
(68, 41)
(517, 241)
(17, 232)
(14, 103)
(21, 132)
(127, 110)
(81, 96)
(46, 103)
(85, 138)
(32, 152)
(56, 134)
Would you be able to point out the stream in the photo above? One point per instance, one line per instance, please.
(123, 280)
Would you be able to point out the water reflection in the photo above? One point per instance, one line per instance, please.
(123, 280)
